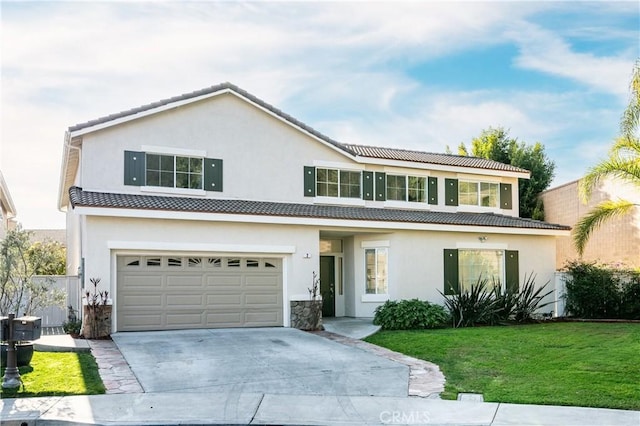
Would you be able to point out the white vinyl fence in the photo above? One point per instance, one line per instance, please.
(54, 316)
(560, 294)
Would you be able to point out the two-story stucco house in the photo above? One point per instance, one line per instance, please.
(215, 209)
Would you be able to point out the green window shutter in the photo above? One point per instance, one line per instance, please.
(213, 174)
(381, 186)
(134, 168)
(511, 270)
(309, 181)
(367, 185)
(451, 283)
(505, 196)
(451, 192)
(432, 189)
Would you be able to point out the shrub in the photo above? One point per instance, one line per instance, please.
(72, 327)
(630, 298)
(529, 299)
(474, 306)
(479, 305)
(409, 315)
(592, 291)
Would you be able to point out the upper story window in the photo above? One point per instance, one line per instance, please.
(483, 194)
(173, 171)
(337, 183)
(407, 188)
(183, 173)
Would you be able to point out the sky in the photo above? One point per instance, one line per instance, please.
(419, 75)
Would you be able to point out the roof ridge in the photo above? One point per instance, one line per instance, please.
(444, 154)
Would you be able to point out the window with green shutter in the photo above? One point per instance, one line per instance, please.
(367, 185)
(451, 192)
(134, 168)
(465, 267)
(381, 186)
(309, 181)
(506, 196)
(451, 281)
(172, 171)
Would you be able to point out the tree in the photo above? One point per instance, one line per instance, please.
(496, 144)
(48, 258)
(623, 163)
(19, 262)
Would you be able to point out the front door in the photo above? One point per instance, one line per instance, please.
(328, 285)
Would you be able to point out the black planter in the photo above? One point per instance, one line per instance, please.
(24, 354)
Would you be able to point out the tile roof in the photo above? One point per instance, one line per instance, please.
(353, 150)
(81, 198)
(430, 158)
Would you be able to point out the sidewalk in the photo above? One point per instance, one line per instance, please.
(250, 409)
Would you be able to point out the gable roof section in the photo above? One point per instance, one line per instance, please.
(358, 153)
(349, 149)
(81, 198)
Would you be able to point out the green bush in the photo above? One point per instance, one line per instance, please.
(475, 306)
(529, 300)
(479, 305)
(409, 315)
(72, 327)
(630, 298)
(597, 291)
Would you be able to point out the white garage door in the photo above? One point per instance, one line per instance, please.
(178, 292)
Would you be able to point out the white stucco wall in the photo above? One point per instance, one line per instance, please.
(416, 266)
(117, 236)
(263, 158)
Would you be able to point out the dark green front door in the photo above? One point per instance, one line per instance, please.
(327, 285)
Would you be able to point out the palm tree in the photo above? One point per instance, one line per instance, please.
(623, 163)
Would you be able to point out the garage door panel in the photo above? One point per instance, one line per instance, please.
(184, 282)
(177, 292)
(142, 281)
(132, 301)
(143, 321)
(223, 281)
(261, 318)
(224, 319)
(221, 300)
(185, 320)
(184, 301)
(260, 281)
(258, 299)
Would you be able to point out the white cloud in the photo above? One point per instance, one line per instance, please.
(340, 67)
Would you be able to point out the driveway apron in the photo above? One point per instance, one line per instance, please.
(257, 360)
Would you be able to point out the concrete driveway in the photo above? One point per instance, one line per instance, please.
(258, 360)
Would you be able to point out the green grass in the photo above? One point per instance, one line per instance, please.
(58, 374)
(580, 364)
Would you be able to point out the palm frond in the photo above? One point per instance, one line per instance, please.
(630, 120)
(592, 220)
(627, 169)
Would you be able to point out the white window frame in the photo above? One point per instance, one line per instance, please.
(339, 173)
(375, 245)
(406, 188)
(175, 170)
(478, 184)
(500, 252)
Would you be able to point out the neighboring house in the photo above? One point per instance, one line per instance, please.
(214, 209)
(55, 235)
(7, 209)
(616, 242)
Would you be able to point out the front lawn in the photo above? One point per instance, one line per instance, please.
(581, 364)
(58, 374)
